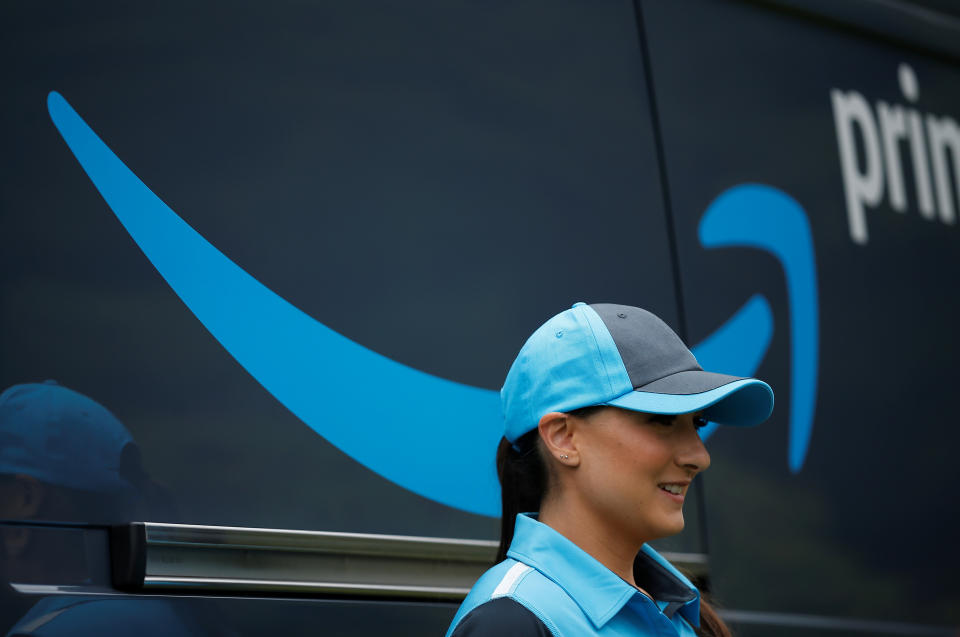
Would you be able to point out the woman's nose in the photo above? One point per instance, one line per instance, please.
(692, 453)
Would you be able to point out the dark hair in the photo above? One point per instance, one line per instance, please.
(523, 485)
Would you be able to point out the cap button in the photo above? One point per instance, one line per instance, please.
(578, 304)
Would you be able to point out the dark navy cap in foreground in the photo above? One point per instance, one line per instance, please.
(61, 437)
(622, 356)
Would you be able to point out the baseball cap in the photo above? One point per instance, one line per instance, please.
(61, 437)
(621, 356)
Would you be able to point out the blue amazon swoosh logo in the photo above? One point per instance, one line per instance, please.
(300, 360)
(758, 216)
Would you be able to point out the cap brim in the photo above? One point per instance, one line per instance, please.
(730, 401)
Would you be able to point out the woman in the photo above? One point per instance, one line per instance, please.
(601, 410)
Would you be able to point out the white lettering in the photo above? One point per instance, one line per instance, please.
(861, 187)
(874, 162)
(921, 172)
(908, 82)
(893, 128)
(945, 135)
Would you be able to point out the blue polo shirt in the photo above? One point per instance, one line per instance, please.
(550, 586)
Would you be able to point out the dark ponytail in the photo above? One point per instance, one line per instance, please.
(523, 481)
(710, 623)
(523, 485)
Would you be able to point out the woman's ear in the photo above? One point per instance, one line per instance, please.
(556, 430)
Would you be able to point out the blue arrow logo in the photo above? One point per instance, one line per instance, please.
(758, 216)
(322, 376)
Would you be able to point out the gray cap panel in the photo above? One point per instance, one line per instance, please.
(637, 332)
(690, 382)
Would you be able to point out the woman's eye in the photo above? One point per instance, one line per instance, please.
(663, 420)
(699, 422)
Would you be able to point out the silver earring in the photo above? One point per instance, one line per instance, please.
(564, 456)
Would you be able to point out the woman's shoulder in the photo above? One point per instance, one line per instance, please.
(500, 604)
(499, 617)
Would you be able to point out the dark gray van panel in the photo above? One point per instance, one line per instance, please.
(432, 180)
(864, 528)
(404, 176)
(429, 180)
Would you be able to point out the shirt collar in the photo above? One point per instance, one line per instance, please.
(662, 580)
(597, 590)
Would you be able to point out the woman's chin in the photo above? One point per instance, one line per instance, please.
(671, 527)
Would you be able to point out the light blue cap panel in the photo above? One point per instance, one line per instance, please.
(742, 402)
(571, 361)
(611, 361)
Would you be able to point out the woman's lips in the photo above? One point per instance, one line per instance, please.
(674, 490)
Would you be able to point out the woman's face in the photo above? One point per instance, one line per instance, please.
(635, 469)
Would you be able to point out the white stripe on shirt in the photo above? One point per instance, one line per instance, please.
(510, 580)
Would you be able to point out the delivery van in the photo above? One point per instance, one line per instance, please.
(265, 266)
